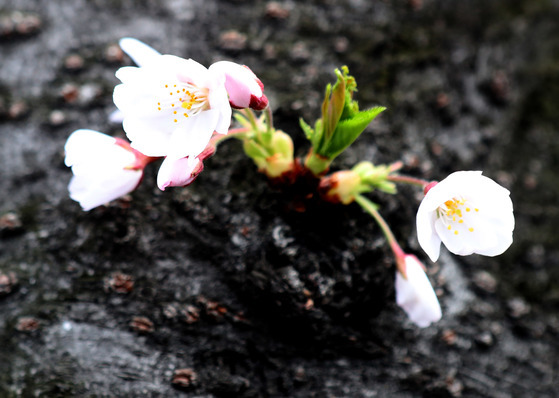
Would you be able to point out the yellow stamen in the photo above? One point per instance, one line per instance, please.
(193, 100)
(452, 211)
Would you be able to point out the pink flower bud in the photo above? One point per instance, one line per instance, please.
(182, 172)
(244, 88)
(178, 172)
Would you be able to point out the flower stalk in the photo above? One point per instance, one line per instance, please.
(408, 180)
(372, 209)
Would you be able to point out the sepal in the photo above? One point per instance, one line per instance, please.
(343, 186)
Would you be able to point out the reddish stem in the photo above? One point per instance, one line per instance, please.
(408, 180)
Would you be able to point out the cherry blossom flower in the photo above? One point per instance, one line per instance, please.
(415, 295)
(469, 213)
(104, 167)
(172, 106)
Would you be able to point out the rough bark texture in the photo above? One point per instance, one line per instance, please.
(224, 289)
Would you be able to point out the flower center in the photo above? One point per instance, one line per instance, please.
(454, 215)
(183, 100)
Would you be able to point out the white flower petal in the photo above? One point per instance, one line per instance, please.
(146, 137)
(130, 75)
(95, 191)
(141, 53)
(116, 117)
(86, 144)
(416, 296)
(189, 71)
(192, 140)
(223, 121)
(218, 100)
(426, 235)
(451, 186)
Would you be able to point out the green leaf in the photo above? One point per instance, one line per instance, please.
(351, 107)
(313, 135)
(318, 138)
(348, 130)
(308, 130)
(326, 102)
(335, 106)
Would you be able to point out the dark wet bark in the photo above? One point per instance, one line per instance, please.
(226, 288)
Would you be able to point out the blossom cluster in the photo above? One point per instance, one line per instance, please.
(176, 110)
(170, 109)
(467, 212)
